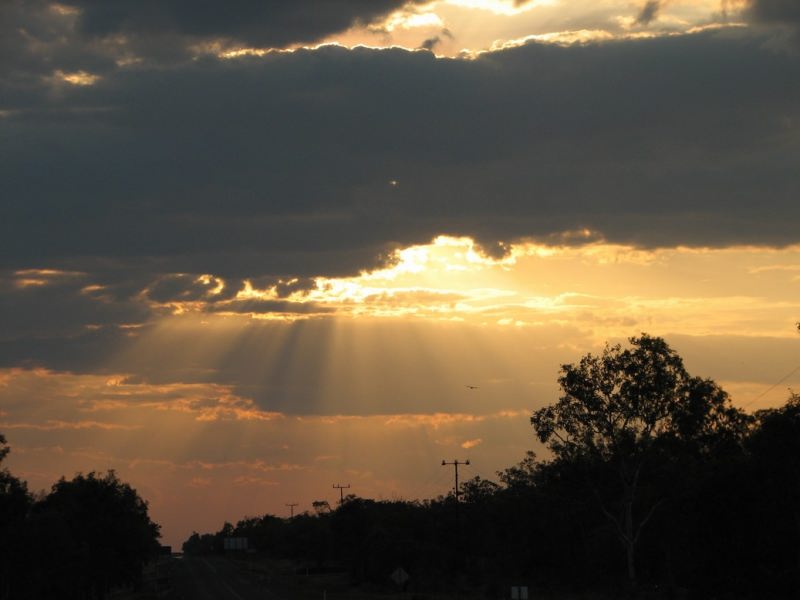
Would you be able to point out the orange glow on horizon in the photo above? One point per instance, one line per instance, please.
(533, 284)
(443, 352)
(467, 29)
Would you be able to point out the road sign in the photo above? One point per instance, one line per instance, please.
(519, 592)
(234, 543)
(400, 576)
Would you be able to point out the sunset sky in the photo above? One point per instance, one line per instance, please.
(249, 250)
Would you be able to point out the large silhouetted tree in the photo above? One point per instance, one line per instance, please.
(622, 409)
(14, 505)
(775, 446)
(97, 531)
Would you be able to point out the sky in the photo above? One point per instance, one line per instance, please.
(251, 250)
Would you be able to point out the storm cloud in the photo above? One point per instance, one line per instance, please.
(271, 23)
(775, 11)
(140, 179)
(282, 165)
(649, 12)
(37, 36)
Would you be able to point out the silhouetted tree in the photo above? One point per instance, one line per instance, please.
(15, 501)
(198, 545)
(617, 411)
(775, 446)
(4, 449)
(95, 532)
(478, 490)
(522, 475)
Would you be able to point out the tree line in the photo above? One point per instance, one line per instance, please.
(654, 485)
(83, 538)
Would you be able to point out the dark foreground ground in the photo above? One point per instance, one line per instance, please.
(219, 578)
(250, 578)
(214, 578)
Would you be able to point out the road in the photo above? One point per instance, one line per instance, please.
(214, 578)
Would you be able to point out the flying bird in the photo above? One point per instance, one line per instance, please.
(471, 387)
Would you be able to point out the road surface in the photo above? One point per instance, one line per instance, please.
(215, 578)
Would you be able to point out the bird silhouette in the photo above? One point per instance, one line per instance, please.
(471, 387)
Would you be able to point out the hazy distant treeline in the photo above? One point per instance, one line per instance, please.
(655, 484)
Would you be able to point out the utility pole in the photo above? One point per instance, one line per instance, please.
(291, 509)
(458, 542)
(341, 489)
(455, 464)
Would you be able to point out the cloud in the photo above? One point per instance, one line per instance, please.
(66, 319)
(775, 11)
(271, 23)
(53, 425)
(260, 481)
(277, 166)
(781, 18)
(267, 307)
(649, 12)
(185, 288)
(431, 42)
(155, 186)
(66, 400)
(82, 39)
(38, 41)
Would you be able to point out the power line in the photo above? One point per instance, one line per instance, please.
(773, 386)
(777, 383)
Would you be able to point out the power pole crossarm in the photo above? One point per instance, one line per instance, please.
(341, 489)
(455, 464)
(291, 509)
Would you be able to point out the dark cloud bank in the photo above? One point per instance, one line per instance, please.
(775, 11)
(165, 31)
(266, 23)
(280, 166)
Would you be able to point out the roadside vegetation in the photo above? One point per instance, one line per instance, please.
(655, 485)
(85, 537)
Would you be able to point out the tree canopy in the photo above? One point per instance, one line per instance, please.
(86, 536)
(618, 404)
(626, 409)
(102, 527)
